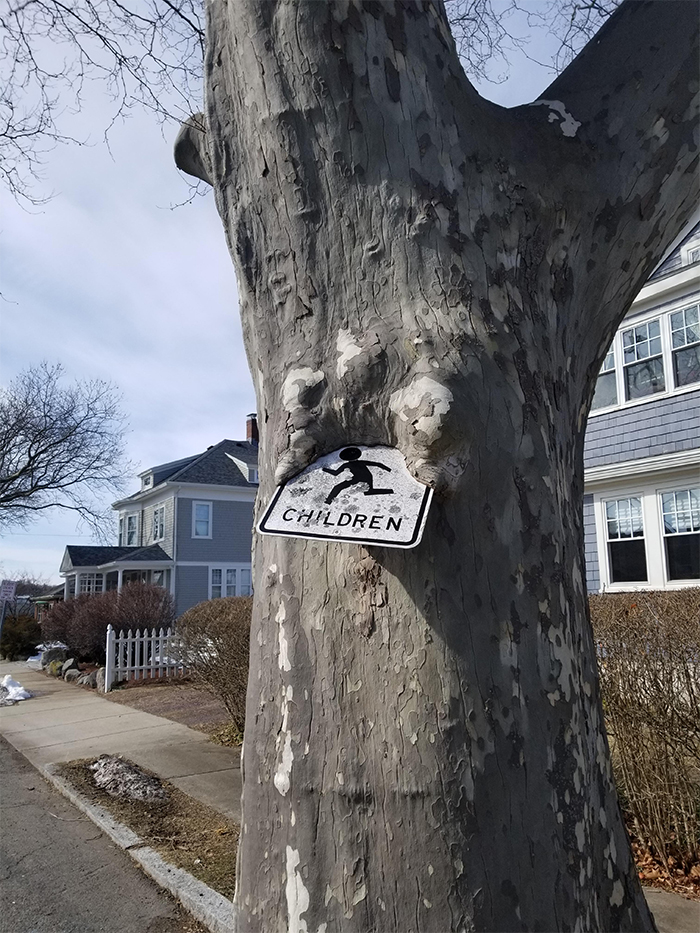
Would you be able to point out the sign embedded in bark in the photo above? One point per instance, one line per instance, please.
(360, 494)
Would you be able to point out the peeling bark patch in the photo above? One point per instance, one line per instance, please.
(567, 124)
(347, 350)
(425, 402)
(298, 384)
(282, 779)
(297, 895)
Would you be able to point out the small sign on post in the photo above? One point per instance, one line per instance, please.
(8, 588)
(361, 494)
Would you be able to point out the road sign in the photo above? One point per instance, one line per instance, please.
(7, 589)
(360, 494)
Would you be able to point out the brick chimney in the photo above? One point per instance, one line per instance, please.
(251, 428)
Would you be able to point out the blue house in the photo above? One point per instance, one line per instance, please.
(188, 529)
(642, 448)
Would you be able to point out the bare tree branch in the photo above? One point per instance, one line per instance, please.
(60, 448)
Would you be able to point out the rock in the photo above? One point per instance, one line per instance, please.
(123, 779)
(71, 675)
(54, 667)
(53, 654)
(68, 665)
(100, 680)
(88, 680)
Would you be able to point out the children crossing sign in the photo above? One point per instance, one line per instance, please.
(360, 494)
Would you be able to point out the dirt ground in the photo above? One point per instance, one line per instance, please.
(185, 832)
(180, 700)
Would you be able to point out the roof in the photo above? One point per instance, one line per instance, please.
(215, 467)
(672, 262)
(78, 555)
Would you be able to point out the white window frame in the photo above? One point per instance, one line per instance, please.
(650, 492)
(121, 531)
(253, 475)
(210, 506)
(158, 523)
(88, 584)
(664, 316)
(664, 534)
(135, 517)
(222, 568)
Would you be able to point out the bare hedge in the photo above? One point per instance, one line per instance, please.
(215, 637)
(649, 660)
(81, 623)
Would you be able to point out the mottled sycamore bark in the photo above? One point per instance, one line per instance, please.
(418, 267)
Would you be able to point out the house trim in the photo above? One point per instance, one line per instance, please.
(611, 472)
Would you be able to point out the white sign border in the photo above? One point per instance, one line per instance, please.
(414, 542)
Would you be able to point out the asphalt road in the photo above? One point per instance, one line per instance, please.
(60, 874)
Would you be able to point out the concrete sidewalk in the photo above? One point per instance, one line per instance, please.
(63, 722)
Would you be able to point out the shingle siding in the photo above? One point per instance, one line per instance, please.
(232, 528)
(147, 536)
(592, 566)
(191, 587)
(666, 426)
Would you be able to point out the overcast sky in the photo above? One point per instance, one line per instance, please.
(112, 283)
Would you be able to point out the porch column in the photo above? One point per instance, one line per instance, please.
(120, 578)
(77, 585)
(66, 589)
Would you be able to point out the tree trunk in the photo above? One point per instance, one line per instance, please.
(424, 746)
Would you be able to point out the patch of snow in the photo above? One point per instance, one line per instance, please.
(11, 691)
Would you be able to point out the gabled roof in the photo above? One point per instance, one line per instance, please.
(78, 555)
(674, 259)
(215, 467)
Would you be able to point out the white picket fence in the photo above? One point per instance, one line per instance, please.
(140, 655)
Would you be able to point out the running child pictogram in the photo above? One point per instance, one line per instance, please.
(360, 473)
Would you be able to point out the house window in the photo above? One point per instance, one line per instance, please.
(643, 361)
(229, 581)
(201, 519)
(90, 583)
(161, 578)
(253, 475)
(159, 523)
(685, 346)
(606, 386)
(625, 540)
(131, 529)
(681, 521)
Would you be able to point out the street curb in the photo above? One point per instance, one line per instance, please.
(205, 904)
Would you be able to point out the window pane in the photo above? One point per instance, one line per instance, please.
(216, 577)
(642, 379)
(216, 592)
(245, 588)
(605, 391)
(628, 562)
(230, 582)
(686, 366)
(202, 511)
(683, 557)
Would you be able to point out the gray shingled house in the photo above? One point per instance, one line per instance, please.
(188, 528)
(642, 448)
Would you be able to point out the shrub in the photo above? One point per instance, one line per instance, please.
(81, 623)
(215, 638)
(649, 661)
(20, 636)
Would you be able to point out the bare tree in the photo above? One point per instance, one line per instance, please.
(60, 447)
(425, 747)
(150, 53)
